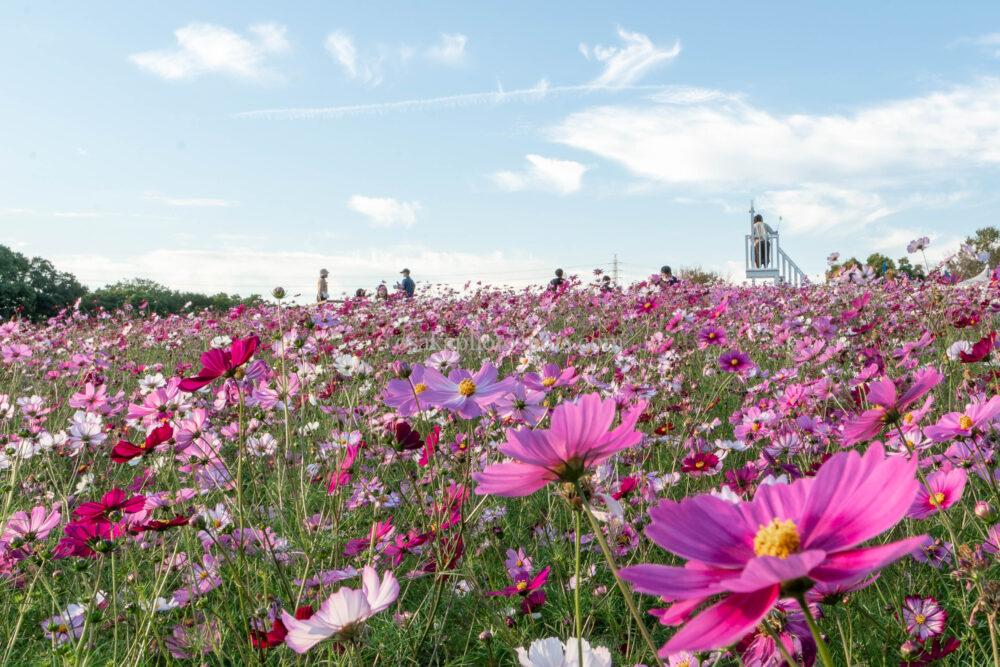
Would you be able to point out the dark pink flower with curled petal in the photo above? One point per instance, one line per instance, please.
(216, 363)
(743, 557)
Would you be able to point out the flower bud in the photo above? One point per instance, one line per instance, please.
(278, 292)
(984, 511)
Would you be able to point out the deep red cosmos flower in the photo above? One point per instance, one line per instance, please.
(980, 350)
(217, 363)
(85, 539)
(110, 507)
(276, 637)
(125, 451)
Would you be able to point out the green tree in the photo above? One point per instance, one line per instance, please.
(157, 298)
(984, 240)
(913, 271)
(880, 264)
(33, 288)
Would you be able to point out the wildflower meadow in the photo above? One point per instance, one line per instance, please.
(663, 474)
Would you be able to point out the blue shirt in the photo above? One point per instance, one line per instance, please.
(409, 286)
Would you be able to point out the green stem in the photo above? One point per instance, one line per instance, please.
(626, 593)
(576, 592)
(821, 647)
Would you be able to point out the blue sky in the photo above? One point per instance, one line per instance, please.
(235, 146)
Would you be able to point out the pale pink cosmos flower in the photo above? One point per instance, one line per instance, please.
(577, 441)
(343, 612)
(889, 405)
(25, 527)
(66, 626)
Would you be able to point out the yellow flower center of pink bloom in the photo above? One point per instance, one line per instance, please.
(937, 499)
(965, 422)
(778, 538)
(419, 388)
(699, 464)
(62, 628)
(920, 619)
(734, 362)
(548, 382)
(521, 585)
(467, 387)
(908, 418)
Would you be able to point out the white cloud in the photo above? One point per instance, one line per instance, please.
(816, 207)
(367, 69)
(721, 141)
(543, 173)
(191, 202)
(235, 269)
(450, 50)
(385, 211)
(204, 48)
(628, 63)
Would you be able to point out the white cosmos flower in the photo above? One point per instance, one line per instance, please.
(552, 652)
(343, 611)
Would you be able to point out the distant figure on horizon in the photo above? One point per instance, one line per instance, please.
(360, 293)
(606, 285)
(322, 288)
(556, 282)
(382, 293)
(667, 275)
(407, 284)
(761, 242)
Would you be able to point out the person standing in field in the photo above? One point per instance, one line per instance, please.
(667, 275)
(322, 288)
(761, 242)
(407, 284)
(556, 282)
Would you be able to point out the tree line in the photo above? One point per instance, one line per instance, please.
(34, 289)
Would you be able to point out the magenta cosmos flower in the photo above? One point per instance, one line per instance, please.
(464, 393)
(734, 361)
(744, 557)
(217, 363)
(577, 441)
(551, 377)
(944, 489)
(889, 405)
(963, 424)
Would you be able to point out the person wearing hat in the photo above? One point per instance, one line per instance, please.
(322, 289)
(667, 275)
(407, 284)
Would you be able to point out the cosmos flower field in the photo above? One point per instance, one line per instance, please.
(681, 474)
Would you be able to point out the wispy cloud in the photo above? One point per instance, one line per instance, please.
(450, 50)
(204, 48)
(385, 211)
(540, 91)
(191, 202)
(561, 176)
(626, 64)
(366, 69)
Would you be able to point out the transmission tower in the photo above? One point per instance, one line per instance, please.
(615, 273)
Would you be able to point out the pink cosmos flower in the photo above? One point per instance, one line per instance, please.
(522, 404)
(66, 626)
(217, 363)
(343, 612)
(924, 617)
(711, 335)
(577, 441)
(889, 405)
(944, 489)
(963, 424)
(750, 552)
(25, 527)
(465, 393)
(404, 394)
(734, 361)
(551, 377)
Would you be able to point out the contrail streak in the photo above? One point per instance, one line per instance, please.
(535, 93)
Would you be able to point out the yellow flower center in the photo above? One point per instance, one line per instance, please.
(965, 422)
(778, 538)
(62, 629)
(755, 427)
(908, 418)
(937, 499)
(920, 619)
(734, 362)
(467, 387)
(548, 382)
(519, 563)
(419, 388)
(699, 464)
(521, 585)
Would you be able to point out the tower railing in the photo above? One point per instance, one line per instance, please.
(766, 260)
